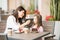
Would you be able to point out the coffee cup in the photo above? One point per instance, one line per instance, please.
(26, 30)
(9, 31)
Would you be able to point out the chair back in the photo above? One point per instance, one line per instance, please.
(3, 36)
(49, 26)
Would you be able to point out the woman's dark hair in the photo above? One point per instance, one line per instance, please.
(15, 14)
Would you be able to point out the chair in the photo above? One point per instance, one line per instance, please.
(49, 37)
(2, 26)
(49, 27)
(3, 36)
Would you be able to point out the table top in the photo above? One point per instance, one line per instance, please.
(29, 36)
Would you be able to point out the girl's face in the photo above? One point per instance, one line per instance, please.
(20, 14)
(35, 20)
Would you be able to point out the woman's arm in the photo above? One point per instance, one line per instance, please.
(11, 23)
(26, 23)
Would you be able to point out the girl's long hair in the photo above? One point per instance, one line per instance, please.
(39, 20)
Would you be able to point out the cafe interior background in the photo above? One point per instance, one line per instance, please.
(49, 9)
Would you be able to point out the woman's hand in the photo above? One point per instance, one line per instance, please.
(27, 22)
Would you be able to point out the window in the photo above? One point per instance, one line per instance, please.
(3, 4)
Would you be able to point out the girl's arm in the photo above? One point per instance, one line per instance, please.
(40, 29)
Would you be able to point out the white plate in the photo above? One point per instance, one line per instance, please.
(16, 31)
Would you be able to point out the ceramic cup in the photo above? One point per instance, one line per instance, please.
(26, 30)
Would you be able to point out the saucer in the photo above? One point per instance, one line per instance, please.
(16, 31)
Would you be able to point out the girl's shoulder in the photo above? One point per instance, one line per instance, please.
(41, 27)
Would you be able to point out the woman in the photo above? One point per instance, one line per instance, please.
(37, 26)
(14, 21)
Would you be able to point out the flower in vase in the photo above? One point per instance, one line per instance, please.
(36, 12)
(49, 18)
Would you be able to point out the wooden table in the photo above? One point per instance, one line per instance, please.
(29, 36)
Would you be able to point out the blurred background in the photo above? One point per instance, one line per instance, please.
(30, 5)
(49, 9)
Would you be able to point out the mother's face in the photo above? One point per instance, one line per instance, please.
(20, 14)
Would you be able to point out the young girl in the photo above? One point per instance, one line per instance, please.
(37, 26)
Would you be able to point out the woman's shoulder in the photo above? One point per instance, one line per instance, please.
(11, 16)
